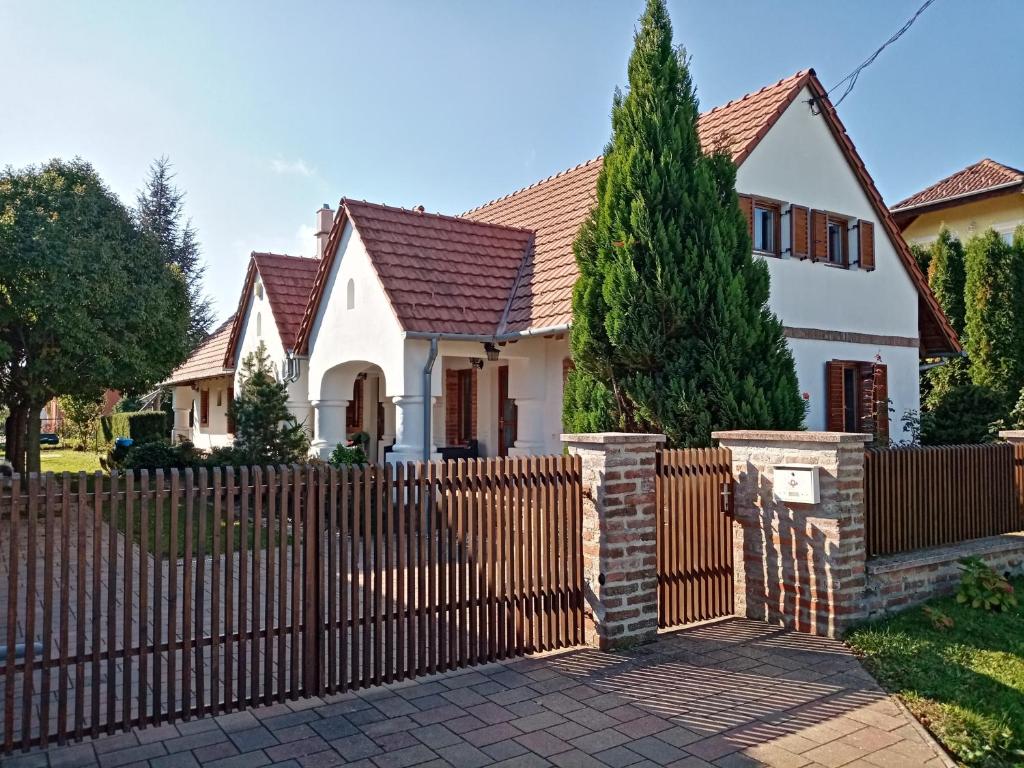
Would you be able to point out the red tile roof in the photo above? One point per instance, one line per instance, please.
(207, 361)
(462, 289)
(288, 281)
(440, 273)
(555, 207)
(984, 176)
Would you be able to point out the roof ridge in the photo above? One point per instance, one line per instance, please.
(796, 76)
(552, 177)
(803, 73)
(906, 201)
(254, 254)
(461, 219)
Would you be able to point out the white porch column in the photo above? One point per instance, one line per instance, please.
(183, 404)
(526, 387)
(409, 430)
(328, 426)
(388, 437)
(529, 427)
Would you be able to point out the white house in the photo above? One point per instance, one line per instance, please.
(441, 335)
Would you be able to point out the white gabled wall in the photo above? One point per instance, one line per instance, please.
(367, 332)
(799, 161)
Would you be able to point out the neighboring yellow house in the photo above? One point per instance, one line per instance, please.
(982, 196)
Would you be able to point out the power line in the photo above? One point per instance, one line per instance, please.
(851, 79)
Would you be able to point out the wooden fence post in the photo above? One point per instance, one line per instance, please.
(619, 536)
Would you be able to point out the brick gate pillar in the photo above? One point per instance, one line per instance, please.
(799, 564)
(619, 549)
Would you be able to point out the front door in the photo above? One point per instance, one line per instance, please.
(507, 416)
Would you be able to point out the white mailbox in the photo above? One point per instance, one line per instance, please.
(797, 483)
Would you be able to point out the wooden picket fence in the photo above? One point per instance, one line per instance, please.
(930, 496)
(141, 600)
(694, 539)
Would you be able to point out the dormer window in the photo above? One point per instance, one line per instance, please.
(766, 228)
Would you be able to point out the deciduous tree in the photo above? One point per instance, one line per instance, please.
(86, 303)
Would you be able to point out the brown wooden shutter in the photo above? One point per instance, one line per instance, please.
(451, 407)
(835, 407)
(819, 235)
(881, 399)
(231, 410)
(799, 232)
(747, 206)
(204, 407)
(866, 244)
(354, 412)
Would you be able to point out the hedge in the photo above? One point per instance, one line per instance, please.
(140, 426)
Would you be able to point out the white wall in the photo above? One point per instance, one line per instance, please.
(799, 161)
(215, 433)
(902, 374)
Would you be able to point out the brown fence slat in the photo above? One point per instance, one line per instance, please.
(918, 497)
(694, 547)
(197, 592)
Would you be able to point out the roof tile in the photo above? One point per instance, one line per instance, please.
(207, 361)
(441, 273)
(972, 180)
(556, 207)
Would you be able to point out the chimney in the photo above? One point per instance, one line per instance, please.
(324, 222)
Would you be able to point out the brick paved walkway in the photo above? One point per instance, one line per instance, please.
(734, 693)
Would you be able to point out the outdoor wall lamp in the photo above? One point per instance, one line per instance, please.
(476, 362)
(492, 351)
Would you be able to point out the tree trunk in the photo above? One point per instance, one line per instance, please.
(17, 423)
(32, 458)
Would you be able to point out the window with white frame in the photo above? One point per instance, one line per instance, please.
(766, 221)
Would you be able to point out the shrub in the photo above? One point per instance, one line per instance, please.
(967, 413)
(343, 455)
(981, 587)
(225, 456)
(140, 426)
(266, 432)
(159, 455)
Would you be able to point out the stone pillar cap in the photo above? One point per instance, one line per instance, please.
(605, 438)
(792, 436)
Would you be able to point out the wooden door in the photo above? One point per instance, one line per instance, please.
(507, 414)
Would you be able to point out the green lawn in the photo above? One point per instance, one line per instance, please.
(965, 683)
(67, 460)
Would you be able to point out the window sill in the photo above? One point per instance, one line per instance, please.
(767, 254)
(833, 265)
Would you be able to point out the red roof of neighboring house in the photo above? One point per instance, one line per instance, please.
(552, 211)
(984, 176)
(441, 274)
(207, 361)
(287, 281)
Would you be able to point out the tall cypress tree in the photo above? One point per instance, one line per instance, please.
(160, 211)
(994, 315)
(947, 276)
(671, 329)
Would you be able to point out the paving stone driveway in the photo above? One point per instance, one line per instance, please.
(733, 693)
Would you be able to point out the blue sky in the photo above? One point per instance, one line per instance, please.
(268, 109)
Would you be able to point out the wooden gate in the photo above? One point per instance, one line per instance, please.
(141, 600)
(695, 558)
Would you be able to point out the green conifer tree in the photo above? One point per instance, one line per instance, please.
(947, 276)
(994, 315)
(266, 432)
(671, 331)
